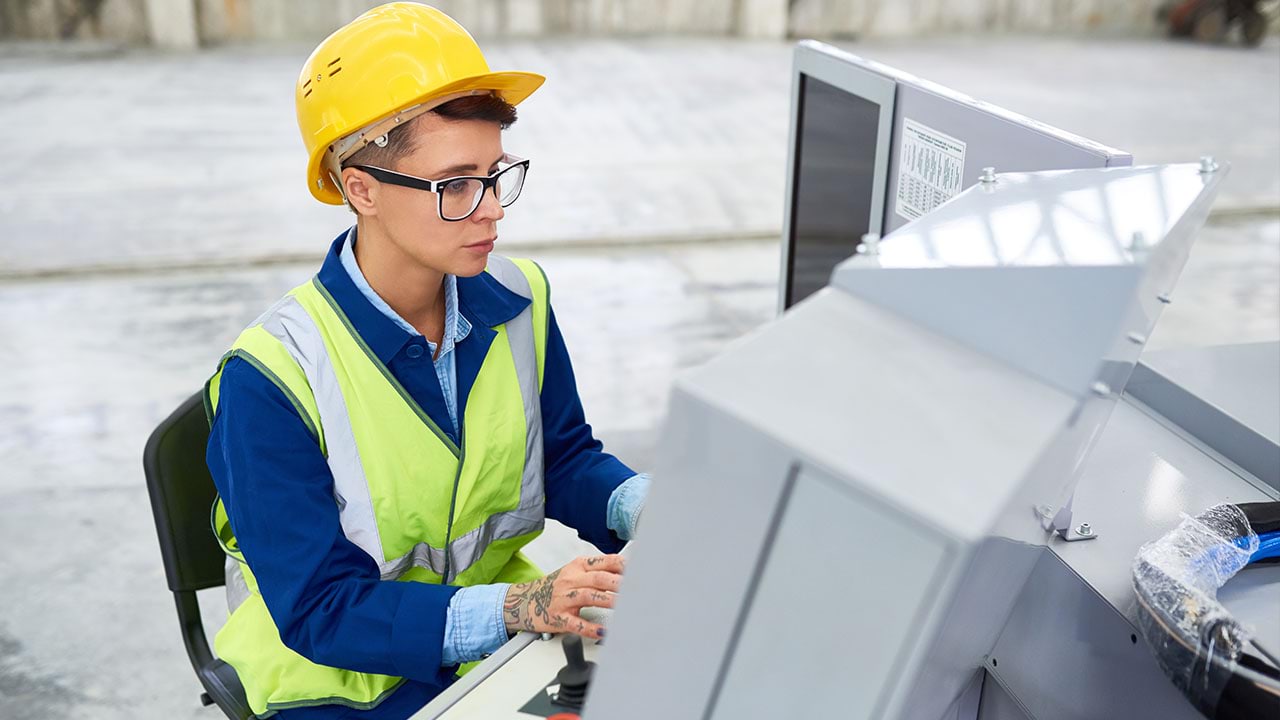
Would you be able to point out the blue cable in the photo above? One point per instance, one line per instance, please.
(1224, 562)
(1268, 547)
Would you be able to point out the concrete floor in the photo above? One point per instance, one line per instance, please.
(194, 159)
(133, 249)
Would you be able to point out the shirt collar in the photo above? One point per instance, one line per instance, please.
(487, 301)
(383, 336)
(456, 327)
(481, 298)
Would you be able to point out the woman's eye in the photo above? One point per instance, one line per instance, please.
(457, 187)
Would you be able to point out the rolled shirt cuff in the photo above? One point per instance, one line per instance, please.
(474, 627)
(625, 505)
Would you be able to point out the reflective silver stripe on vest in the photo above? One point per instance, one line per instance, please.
(294, 328)
(422, 555)
(237, 587)
(524, 352)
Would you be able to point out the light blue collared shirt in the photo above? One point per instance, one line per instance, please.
(456, 327)
(474, 627)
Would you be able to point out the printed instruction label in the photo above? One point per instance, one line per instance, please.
(930, 168)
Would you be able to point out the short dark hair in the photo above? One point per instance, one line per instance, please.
(401, 142)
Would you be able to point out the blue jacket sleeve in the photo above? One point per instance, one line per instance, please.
(324, 593)
(580, 475)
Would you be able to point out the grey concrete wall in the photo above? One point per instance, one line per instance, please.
(897, 18)
(286, 19)
(173, 25)
(118, 20)
(312, 19)
(168, 22)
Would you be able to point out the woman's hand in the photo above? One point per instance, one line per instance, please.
(551, 604)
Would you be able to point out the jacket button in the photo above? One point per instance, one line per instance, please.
(414, 351)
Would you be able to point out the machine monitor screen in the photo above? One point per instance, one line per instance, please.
(835, 171)
(873, 148)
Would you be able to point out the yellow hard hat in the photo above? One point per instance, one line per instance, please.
(387, 66)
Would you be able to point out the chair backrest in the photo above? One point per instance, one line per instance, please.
(182, 494)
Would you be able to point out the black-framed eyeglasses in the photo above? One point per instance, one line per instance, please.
(458, 197)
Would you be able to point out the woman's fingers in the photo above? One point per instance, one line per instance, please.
(588, 582)
(578, 626)
(551, 603)
(587, 597)
(601, 581)
(606, 563)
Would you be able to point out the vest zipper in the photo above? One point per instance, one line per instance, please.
(457, 480)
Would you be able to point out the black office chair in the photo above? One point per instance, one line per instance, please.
(182, 493)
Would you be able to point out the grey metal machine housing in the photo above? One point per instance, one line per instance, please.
(855, 507)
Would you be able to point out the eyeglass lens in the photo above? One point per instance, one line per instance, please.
(459, 198)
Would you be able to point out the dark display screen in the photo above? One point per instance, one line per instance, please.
(834, 175)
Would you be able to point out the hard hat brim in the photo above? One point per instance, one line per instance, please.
(514, 87)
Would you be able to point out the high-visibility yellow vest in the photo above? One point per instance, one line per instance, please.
(425, 509)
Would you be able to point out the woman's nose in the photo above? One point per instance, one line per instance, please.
(490, 209)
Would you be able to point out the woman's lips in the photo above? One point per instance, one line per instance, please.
(484, 246)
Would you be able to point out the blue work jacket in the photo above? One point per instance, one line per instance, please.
(324, 593)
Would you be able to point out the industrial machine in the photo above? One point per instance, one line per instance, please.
(932, 508)
(924, 491)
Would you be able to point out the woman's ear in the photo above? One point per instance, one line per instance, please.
(361, 191)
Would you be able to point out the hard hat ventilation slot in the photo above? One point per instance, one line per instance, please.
(335, 72)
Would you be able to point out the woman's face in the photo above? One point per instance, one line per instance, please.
(444, 149)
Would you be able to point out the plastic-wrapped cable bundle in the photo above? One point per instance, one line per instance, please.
(1196, 641)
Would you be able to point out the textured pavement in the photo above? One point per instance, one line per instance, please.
(122, 160)
(154, 207)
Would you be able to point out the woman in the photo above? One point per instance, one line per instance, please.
(388, 436)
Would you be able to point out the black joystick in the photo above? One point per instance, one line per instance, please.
(574, 677)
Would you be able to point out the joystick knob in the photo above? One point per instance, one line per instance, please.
(575, 676)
